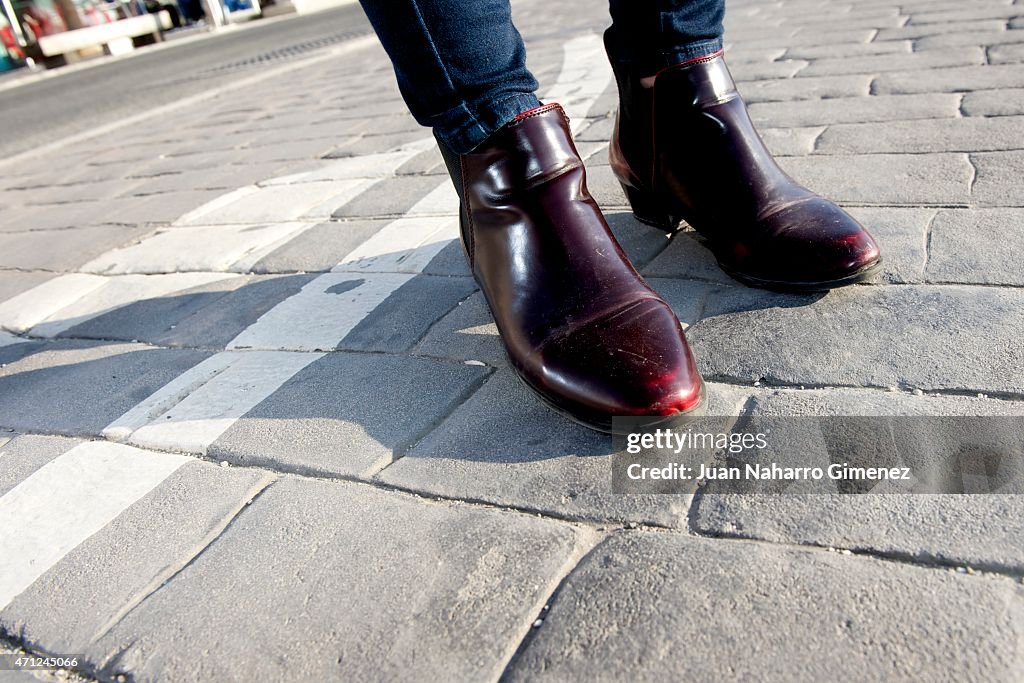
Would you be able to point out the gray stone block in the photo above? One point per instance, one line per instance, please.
(320, 248)
(990, 11)
(855, 110)
(24, 454)
(914, 31)
(892, 179)
(1003, 102)
(971, 134)
(50, 216)
(33, 250)
(348, 414)
(641, 242)
(998, 178)
(951, 57)
(956, 79)
(330, 574)
(209, 316)
(1007, 54)
(116, 569)
(980, 245)
(901, 234)
(681, 608)
(14, 282)
(985, 38)
(687, 257)
(760, 71)
(791, 141)
(807, 88)
(505, 447)
(850, 49)
(468, 333)
(953, 338)
(804, 36)
(391, 197)
(839, 401)
(404, 317)
(161, 208)
(604, 187)
(74, 387)
(451, 260)
(600, 130)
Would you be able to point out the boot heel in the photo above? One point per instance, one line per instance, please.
(650, 210)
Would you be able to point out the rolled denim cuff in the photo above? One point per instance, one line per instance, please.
(690, 51)
(465, 128)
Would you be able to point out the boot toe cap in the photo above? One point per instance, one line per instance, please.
(813, 241)
(635, 362)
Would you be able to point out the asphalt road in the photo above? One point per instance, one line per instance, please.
(46, 110)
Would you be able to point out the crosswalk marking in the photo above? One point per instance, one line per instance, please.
(68, 500)
(81, 491)
(198, 419)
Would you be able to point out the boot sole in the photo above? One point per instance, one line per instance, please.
(699, 409)
(861, 275)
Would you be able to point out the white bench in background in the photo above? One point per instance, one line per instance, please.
(116, 38)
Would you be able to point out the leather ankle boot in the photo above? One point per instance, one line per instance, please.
(685, 150)
(580, 326)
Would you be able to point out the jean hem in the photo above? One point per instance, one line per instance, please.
(689, 51)
(483, 121)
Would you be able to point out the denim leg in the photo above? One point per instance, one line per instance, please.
(649, 35)
(461, 64)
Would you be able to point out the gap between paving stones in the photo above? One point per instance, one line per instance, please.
(591, 535)
(170, 572)
(927, 561)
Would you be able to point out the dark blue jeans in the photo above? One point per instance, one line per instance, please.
(461, 64)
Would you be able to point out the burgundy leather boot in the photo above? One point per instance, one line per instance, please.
(685, 150)
(581, 327)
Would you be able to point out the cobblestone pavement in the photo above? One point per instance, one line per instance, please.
(258, 426)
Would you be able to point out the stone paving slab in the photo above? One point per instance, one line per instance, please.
(933, 335)
(488, 576)
(996, 183)
(31, 250)
(886, 179)
(15, 282)
(957, 79)
(983, 246)
(972, 134)
(402, 319)
(1003, 102)
(657, 606)
(23, 454)
(111, 573)
(348, 414)
(320, 248)
(504, 448)
(79, 387)
(978, 531)
(207, 316)
(837, 110)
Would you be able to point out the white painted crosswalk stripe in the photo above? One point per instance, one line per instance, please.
(78, 493)
(198, 419)
(321, 313)
(117, 292)
(68, 500)
(233, 248)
